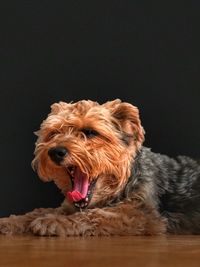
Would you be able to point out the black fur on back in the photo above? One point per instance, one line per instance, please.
(171, 186)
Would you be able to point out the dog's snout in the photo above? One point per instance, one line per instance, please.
(57, 154)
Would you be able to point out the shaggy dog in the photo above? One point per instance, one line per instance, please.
(113, 184)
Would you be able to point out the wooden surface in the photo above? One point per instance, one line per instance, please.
(113, 252)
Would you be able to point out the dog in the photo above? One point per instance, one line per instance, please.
(113, 185)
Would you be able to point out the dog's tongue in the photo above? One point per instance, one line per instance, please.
(81, 185)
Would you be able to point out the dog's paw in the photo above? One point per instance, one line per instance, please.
(6, 227)
(49, 225)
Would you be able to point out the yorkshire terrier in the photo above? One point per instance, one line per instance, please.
(113, 184)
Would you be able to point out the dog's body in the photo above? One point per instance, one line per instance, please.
(173, 188)
(112, 183)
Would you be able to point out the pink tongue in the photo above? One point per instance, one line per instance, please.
(80, 186)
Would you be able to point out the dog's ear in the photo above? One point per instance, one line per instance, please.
(126, 118)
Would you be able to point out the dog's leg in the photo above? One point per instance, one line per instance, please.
(130, 218)
(18, 224)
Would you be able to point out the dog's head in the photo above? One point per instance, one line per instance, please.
(87, 149)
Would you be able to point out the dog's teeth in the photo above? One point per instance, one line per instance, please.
(86, 199)
(71, 171)
(77, 205)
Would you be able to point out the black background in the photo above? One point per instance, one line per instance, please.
(146, 54)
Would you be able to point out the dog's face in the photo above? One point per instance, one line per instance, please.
(87, 149)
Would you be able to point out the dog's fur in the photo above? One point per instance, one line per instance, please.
(133, 191)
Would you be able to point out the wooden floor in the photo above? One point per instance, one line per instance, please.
(173, 251)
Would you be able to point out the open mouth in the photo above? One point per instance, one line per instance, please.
(81, 192)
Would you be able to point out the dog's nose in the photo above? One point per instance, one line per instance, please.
(57, 154)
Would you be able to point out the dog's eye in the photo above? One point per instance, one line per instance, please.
(89, 133)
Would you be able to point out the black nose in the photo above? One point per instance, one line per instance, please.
(57, 154)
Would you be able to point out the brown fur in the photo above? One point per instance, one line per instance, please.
(107, 158)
